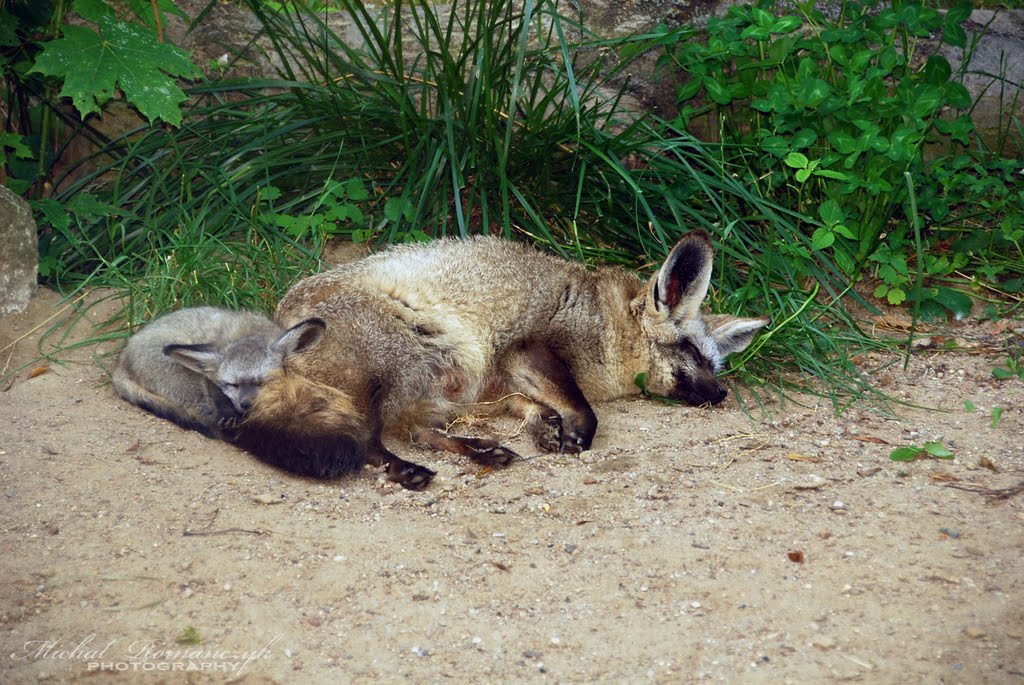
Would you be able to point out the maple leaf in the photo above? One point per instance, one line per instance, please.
(121, 54)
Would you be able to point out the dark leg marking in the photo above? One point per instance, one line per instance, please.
(538, 372)
(480, 450)
(407, 474)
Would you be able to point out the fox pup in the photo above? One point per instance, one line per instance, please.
(419, 334)
(203, 367)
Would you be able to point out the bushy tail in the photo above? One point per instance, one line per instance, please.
(129, 390)
(305, 427)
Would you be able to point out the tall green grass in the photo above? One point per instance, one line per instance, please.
(492, 117)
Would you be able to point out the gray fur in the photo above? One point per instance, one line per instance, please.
(202, 367)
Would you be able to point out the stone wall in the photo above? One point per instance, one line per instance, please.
(999, 50)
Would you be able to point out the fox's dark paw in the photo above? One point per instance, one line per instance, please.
(229, 428)
(568, 435)
(547, 431)
(576, 437)
(488, 452)
(229, 422)
(409, 475)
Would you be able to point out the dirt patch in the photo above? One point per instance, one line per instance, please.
(687, 545)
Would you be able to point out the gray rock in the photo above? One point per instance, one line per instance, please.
(19, 253)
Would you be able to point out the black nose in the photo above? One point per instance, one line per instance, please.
(705, 389)
(712, 391)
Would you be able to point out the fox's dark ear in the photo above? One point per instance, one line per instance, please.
(301, 336)
(681, 284)
(203, 359)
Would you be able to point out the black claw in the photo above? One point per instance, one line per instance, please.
(489, 453)
(410, 476)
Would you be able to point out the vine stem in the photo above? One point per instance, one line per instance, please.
(920, 266)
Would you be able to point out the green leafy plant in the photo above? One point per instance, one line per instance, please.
(189, 636)
(24, 25)
(119, 54)
(827, 114)
(44, 56)
(338, 211)
(206, 256)
(934, 449)
(12, 144)
(841, 101)
(641, 382)
(1012, 368)
(997, 415)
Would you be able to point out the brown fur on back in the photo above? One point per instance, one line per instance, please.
(301, 405)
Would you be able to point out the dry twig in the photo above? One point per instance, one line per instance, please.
(996, 494)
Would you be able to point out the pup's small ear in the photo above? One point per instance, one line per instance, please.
(301, 336)
(203, 358)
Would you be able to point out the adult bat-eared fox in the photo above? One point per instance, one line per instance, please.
(419, 334)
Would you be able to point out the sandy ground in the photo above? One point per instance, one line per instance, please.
(690, 545)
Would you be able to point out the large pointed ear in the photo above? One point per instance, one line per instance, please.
(734, 335)
(680, 286)
(301, 336)
(203, 359)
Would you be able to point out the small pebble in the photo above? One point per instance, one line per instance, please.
(974, 632)
(267, 498)
(810, 481)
